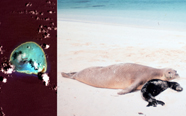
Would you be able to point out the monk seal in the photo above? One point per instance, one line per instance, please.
(126, 76)
(154, 87)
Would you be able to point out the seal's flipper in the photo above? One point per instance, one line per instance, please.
(155, 102)
(68, 75)
(160, 102)
(130, 88)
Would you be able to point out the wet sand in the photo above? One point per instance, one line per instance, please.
(85, 44)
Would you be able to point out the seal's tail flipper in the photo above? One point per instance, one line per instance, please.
(68, 75)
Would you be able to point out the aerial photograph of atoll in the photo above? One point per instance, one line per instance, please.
(28, 58)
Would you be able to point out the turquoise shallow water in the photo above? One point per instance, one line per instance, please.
(152, 13)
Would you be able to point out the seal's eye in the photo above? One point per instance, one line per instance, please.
(169, 72)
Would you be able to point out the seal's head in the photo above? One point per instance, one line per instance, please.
(176, 86)
(170, 74)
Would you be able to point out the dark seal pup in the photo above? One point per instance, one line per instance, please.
(154, 87)
(129, 76)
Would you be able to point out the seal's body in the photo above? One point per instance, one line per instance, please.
(154, 87)
(128, 77)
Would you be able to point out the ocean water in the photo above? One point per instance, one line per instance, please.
(169, 14)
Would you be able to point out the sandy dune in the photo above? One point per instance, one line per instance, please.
(81, 45)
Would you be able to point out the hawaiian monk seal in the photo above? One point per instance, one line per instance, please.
(154, 87)
(129, 76)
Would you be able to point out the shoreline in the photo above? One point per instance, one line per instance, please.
(151, 24)
(165, 20)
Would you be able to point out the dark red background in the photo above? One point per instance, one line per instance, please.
(23, 94)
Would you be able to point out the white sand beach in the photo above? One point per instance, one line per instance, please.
(85, 44)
